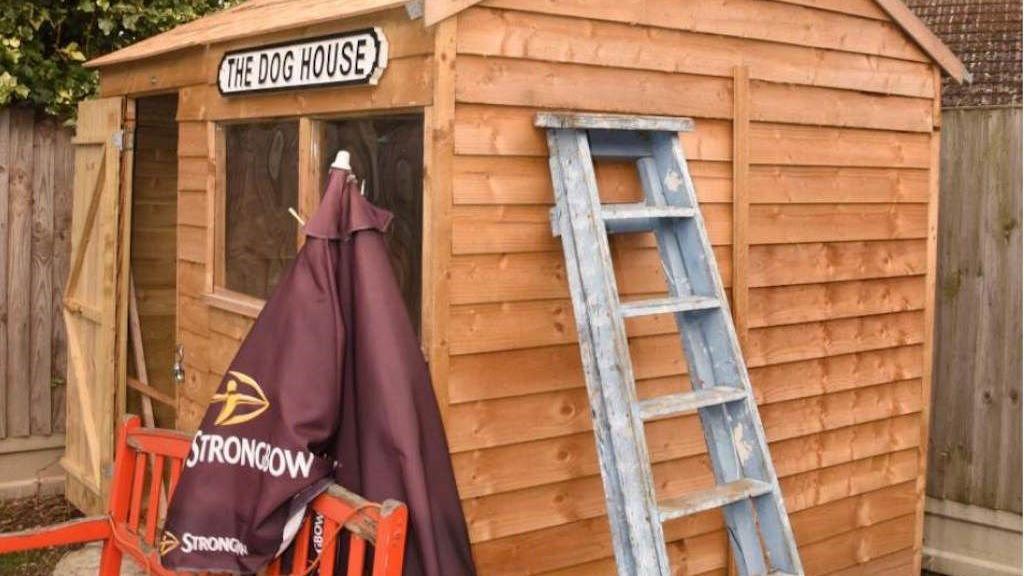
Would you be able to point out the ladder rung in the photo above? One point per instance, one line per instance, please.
(675, 404)
(628, 122)
(716, 497)
(612, 212)
(669, 305)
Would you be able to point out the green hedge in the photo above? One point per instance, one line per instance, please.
(43, 43)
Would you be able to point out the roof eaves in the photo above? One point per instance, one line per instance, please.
(437, 10)
(926, 39)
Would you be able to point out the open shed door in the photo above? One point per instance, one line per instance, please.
(94, 299)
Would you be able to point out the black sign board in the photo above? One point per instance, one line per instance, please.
(357, 57)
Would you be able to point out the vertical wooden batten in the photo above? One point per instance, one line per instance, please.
(62, 210)
(439, 152)
(124, 253)
(214, 204)
(310, 176)
(741, 202)
(19, 249)
(934, 179)
(5, 151)
(740, 218)
(41, 282)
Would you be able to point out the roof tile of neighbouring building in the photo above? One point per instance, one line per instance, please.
(986, 35)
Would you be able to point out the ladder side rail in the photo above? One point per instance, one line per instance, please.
(723, 345)
(614, 500)
(612, 353)
(715, 422)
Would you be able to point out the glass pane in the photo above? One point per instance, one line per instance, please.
(262, 183)
(387, 153)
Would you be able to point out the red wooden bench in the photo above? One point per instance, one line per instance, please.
(133, 522)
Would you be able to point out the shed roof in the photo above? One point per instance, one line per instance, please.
(250, 18)
(256, 17)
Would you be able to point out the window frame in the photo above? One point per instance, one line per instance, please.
(217, 294)
(310, 174)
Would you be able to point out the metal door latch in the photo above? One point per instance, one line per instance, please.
(178, 370)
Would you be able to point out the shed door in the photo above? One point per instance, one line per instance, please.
(94, 300)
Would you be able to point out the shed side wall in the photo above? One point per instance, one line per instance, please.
(841, 112)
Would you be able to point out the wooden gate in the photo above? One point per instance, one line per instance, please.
(94, 301)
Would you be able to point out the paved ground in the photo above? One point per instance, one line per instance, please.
(86, 562)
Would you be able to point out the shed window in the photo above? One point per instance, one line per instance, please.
(387, 153)
(261, 183)
(264, 174)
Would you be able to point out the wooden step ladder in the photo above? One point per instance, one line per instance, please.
(747, 489)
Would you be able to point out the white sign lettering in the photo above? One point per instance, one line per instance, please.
(357, 57)
(193, 543)
(249, 453)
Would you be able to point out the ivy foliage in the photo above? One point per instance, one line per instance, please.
(44, 43)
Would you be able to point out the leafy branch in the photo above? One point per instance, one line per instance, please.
(44, 43)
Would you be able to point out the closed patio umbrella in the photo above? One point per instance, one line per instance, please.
(330, 385)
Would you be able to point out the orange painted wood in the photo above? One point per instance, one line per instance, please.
(330, 548)
(175, 477)
(153, 506)
(135, 510)
(301, 558)
(382, 525)
(73, 532)
(356, 556)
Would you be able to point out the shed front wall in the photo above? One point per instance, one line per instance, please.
(211, 329)
(823, 143)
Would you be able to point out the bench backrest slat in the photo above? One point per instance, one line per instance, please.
(160, 454)
(172, 484)
(156, 477)
(135, 510)
(356, 556)
(330, 547)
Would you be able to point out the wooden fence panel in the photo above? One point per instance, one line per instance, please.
(35, 201)
(975, 452)
(5, 170)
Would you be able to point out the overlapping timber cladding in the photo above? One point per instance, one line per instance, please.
(815, 156)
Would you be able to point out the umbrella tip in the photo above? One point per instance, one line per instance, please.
(342, 161)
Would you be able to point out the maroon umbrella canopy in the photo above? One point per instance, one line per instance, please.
(330, 385)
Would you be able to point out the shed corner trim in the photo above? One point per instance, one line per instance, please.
(926, 39)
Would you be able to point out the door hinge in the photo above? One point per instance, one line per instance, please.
(414, 9)
(122, 140)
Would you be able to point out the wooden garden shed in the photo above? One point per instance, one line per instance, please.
(815, 157)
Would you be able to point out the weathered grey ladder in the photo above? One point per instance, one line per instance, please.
(747, 488)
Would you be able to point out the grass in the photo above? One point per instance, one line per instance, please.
(28, 513)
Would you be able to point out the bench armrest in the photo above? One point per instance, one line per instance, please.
(71, 532)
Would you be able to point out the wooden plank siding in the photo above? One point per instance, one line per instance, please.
(832, 258)
(839, 155)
